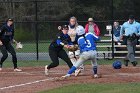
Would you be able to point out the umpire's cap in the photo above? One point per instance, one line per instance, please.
(132, 17)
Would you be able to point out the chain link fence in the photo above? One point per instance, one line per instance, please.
(36, 21)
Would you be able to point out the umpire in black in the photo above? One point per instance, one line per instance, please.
(130, 32)
(56, 50)
(6, 38)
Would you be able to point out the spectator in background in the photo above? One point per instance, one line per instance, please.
(129, 32)
(92, 27)
(116, 30)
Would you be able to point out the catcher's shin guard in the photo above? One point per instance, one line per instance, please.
(72, 58)
(77, 72)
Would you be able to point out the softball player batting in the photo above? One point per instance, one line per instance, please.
(72, 33)
(87, 46)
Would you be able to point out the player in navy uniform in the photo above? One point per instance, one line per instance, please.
(87, 46)
(56, 50)
(6, 37)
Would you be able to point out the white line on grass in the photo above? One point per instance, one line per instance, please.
(29, 83)
(27, 73)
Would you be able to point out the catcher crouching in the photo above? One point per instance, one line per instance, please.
(56, 50)
(74, 55)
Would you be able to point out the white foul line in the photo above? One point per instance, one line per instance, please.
(29, 83)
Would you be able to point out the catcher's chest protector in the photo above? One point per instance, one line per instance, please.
(72, 34)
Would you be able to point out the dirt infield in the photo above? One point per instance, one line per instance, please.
(32, 79)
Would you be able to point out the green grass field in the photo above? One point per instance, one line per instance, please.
(43, 47)
(8, 64)
(43, 63)
(98, 88)
(31, 47)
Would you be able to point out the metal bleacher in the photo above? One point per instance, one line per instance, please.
(107, 54)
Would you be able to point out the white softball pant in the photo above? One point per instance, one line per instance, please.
(87, 55)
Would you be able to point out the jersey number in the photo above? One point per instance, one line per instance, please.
(89, 44)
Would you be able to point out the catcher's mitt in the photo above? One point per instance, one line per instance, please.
(73, 48)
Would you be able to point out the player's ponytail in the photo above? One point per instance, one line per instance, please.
(85, 38)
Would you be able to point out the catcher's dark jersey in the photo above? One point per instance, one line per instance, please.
(57, 43)
(6, 34)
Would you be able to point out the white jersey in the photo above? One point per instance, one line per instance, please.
(72, 33)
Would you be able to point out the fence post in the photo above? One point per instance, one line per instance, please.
(112, 13)
(36, 27)
(10, 9)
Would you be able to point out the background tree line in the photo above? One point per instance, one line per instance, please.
(51, 13)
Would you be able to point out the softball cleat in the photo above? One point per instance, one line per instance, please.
(77, 72)
(65, 76)
(126, 62)
(17, 70)
(0, 69)
(46, 70)
(96, 76)
(134, 63)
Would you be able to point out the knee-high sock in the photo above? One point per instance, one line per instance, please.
(71, 70)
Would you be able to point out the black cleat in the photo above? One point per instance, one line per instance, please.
(134, 63)
(126, 62)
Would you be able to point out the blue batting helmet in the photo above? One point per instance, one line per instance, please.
(117, 64)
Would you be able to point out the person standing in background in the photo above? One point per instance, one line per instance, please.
(130, 30)
(92, 27)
